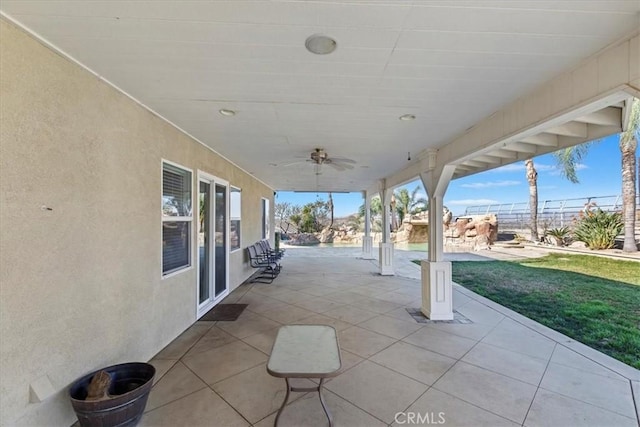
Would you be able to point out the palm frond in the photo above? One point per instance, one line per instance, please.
(569, 158)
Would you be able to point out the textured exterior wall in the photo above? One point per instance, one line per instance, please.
(81, 284)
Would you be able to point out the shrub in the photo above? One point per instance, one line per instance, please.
(598, 229)
(559, 234)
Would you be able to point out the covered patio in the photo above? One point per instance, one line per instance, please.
(500, 369)
(143, 145)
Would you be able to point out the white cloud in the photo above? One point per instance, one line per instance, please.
(470, 202)
(513, 167)
(544, 168)
(490, 184)
(555, 170)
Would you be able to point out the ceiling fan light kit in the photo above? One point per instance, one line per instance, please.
(319, 156)
(320, 44)
(226, 112)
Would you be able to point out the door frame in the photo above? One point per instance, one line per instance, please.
(213, 300)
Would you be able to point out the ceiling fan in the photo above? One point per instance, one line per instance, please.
(320, 157)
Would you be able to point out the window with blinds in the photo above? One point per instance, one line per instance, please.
(177, 217)
(235, 211)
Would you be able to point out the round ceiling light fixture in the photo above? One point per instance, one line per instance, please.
(320, 44)
(407, 117)
(227, 112)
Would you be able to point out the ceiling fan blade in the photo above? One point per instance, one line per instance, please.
(296, 162)
(343, 160)
(342, 165)
(336, 166)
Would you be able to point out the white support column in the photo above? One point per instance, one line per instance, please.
(436, 228)
(386, 246)
(437, 286)
(437, 290)
(367, 239)
(386, 259)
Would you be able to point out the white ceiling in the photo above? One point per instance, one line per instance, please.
(451, 63)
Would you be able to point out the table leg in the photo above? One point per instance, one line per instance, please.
(286, 399)
(324, 405)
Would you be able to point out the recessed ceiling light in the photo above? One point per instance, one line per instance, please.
(226, 112)
(407, 117)
(320, 44)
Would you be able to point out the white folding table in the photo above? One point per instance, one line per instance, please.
(305, 351)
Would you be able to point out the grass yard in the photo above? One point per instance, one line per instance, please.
(591, 299)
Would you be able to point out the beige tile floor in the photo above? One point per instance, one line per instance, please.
(501, 370)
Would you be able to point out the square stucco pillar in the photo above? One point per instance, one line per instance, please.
(437, 290)
(386, 259)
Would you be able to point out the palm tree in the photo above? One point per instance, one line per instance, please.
(532, 178)
(567, 159)
(404, 202)
(330, 206)
(355, 221)
(393, 209)
(375, 210)
(409, 203)
(628, 146)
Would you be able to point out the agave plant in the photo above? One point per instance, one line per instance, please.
(560, 235)
(599, 229)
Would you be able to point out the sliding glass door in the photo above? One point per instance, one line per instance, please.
(222, 241)
(213, 241)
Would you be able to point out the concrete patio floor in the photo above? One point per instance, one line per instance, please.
(501, 370)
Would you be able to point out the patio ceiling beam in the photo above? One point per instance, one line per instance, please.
(594, 132)
(504, 154)
(609, 116)
(491, 160)
(544, 139)
(475, 163)
(522, 147)
(577, 129)
(463, 168)
(603, 80)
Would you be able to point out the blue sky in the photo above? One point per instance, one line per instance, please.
(599, 175)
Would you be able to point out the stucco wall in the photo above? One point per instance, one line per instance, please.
(81, 283)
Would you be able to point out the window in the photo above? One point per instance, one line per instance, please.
(177, 217)
(235, 216)
(265, 218)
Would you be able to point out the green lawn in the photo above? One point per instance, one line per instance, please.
(592, 299)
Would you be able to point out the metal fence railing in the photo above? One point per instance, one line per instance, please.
(551, 213)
